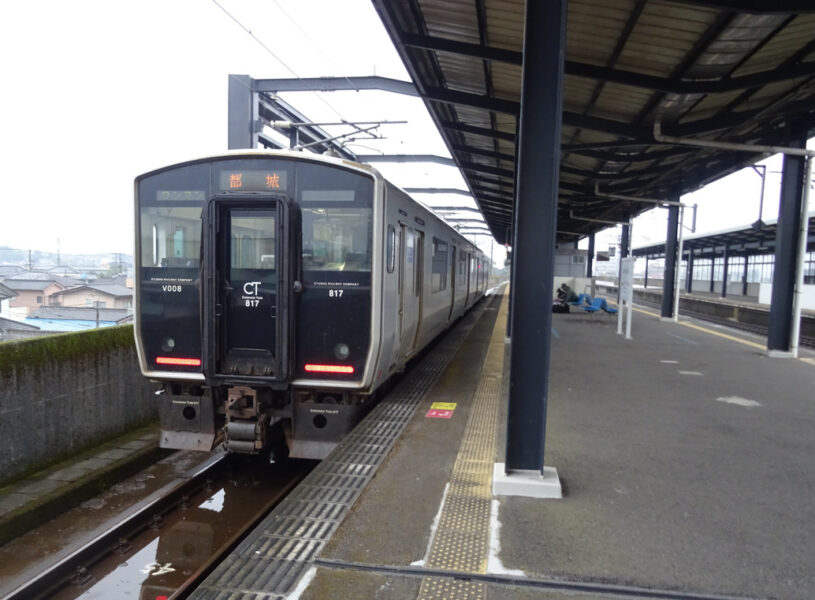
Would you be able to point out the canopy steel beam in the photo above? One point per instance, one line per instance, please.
(682, 86)
(403, 158)
(427, 42)
(429, 190)
(454, 208)
(492, 133)
(606, 74)
(483, 152)
(479, 168)
(757, 7)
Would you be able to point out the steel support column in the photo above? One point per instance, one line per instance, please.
(645, 283)
(590, 261)
(712, 274)
(624, 246)
(725, 264)
(624, 241)
(689, 273)
(535, 232)
(243, 113)
(670, 262)
(786, 250)
(744, 276)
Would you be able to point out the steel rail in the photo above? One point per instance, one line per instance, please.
(96, 549)
(194, 580)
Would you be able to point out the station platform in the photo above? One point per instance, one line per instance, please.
(743, 311)
(732, 299)
(684, 456)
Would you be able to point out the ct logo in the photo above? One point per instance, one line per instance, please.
(250, 288)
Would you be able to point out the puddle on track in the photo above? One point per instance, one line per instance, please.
(158, 561)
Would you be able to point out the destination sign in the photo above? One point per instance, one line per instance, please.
(252, 181)
(180, 195)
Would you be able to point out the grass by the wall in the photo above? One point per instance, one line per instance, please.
(39, 351)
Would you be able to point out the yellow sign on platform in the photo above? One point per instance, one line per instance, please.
(443, 406)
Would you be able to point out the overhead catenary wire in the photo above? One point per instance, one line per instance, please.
(293, 72)
(313, 43)
(275, 56)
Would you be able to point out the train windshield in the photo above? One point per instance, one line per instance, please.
(336, 207)
(171, 236)
(337, 239)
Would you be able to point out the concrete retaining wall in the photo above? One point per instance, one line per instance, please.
(65, 393)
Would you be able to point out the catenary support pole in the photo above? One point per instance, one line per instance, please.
(243, 109)
(786, 249)
(670, 263)
(535, 232)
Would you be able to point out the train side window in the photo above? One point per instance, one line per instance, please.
(438, 277)
(391, 251)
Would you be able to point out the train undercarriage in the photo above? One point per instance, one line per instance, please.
(249, 420)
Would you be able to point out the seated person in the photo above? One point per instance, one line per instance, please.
(566, 294)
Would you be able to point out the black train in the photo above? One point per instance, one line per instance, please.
(276, 291)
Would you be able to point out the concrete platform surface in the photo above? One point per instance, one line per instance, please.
(685, 456)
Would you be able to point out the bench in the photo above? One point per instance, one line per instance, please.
(599, 304)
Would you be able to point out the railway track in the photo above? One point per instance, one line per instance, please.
(168, 545)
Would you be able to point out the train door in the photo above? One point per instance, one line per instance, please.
(410, 285)
(453, 274)
(249, 272)
(468, 268)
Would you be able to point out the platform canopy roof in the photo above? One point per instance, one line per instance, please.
(740, 241)
(727, 70)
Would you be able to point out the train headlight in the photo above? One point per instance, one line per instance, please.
(342, 351)
(167, 344)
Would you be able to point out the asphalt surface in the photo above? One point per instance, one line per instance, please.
(686, 460)
(674, 478)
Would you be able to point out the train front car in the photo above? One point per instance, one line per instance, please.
(254, 300)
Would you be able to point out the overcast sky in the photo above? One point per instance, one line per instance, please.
(97, 92)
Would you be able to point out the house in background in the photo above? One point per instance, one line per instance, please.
(96, 295)
(31, 294)
(17, 330)
(6, 294)
(59, 318)
(10, 271)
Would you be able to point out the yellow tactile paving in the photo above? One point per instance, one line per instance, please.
(461, 542)
(447, 588)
